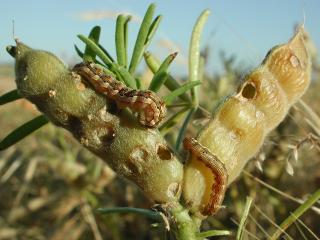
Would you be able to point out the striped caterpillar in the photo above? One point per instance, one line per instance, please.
(240, 124)
(213, 164)
(151, 109)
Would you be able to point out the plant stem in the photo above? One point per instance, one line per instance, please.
(296, 214)
(184, 226)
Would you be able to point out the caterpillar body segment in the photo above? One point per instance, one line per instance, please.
(151, 109)
(240, 125)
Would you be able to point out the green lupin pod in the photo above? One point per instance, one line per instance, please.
(133, 151)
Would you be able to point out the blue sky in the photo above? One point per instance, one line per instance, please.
(246, 28)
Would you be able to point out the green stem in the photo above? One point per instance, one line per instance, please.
(296, 214)
(184, 227)
(244, 218)
(183, 128)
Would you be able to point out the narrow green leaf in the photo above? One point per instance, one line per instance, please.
(171, 83)
(90, 197)
(244, 218)
(78, 51)
(166, 63)
(213, 233)
(178, 105)
(158, 80)
(161, 75)
(172, 121)
(128, 79)
(9, 97)
(194, 53)
(120, 40)
(144, 212)
(138, 83)
(153, 29)
(139, 46)
(126, 36)
(296, 214)
(121, 72)
(179, 91)
(151, 61)
(98, 51)
(94, 35)
(23, 131)
(183, 128)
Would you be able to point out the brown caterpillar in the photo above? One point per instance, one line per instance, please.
(219, 173)
(151, 109)
(240, 124)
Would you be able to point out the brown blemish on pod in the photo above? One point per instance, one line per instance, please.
(52, 93)
(294, 61)
(78, 81)
(81, 86)
(109, 136)
(164, 152)
(138, 157)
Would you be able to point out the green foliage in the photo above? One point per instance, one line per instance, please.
(244, 218)
(171, 83)
(160, 77)
(156, 216)
(23, 131)
(147, 30)
(9, 97)
(89, 55)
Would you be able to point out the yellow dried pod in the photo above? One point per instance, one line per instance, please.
(240, 124)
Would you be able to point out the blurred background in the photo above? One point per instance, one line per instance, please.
(50, 186)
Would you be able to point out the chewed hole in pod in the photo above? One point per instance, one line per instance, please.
(164, 152)
(249, 91)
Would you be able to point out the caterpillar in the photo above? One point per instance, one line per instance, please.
(211, 162)
(239, 126)
(151, 109)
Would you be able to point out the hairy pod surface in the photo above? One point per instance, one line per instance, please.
(240, 124)
(133, 151)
